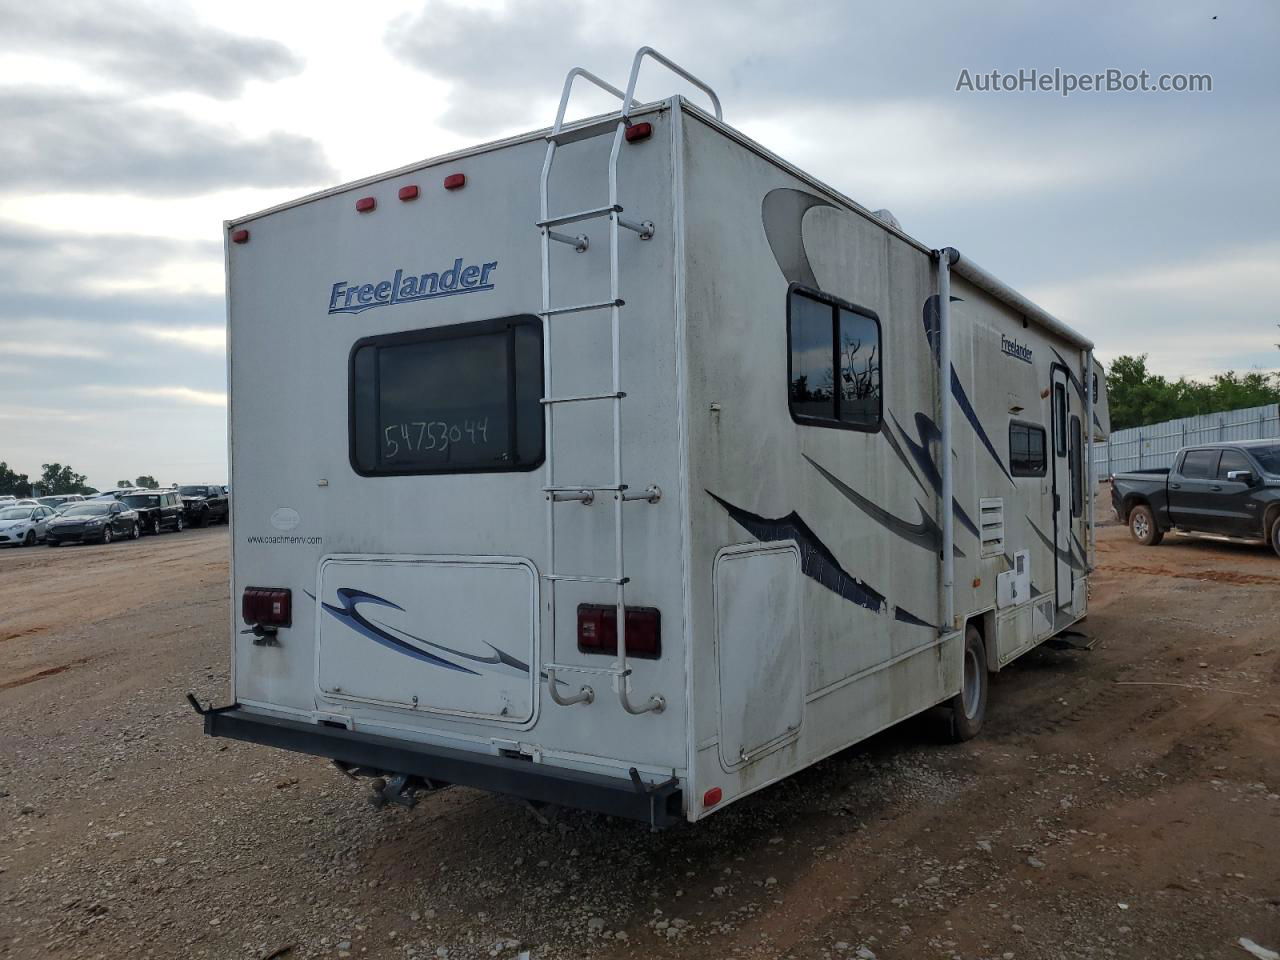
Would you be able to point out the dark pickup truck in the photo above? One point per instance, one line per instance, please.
(1232, 489)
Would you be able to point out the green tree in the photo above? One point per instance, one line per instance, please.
(13, 482)
(1138, 397)
(59, 479)
(146, 481)
(122, 484)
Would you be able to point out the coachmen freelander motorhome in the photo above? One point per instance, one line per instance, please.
(625, 466)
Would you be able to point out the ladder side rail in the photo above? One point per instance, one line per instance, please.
(675, 68)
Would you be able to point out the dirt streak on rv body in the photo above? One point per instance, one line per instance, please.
(780, 354)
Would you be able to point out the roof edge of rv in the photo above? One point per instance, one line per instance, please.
(658, 805)
(985, 280)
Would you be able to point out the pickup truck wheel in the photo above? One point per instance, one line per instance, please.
(1142, 524)
(155, 525)
(1275, 535)
(969, 706)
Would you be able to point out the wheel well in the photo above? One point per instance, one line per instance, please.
(1269, 518)
(1131, 501)
(985, 624)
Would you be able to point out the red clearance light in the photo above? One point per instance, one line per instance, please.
(598, 630)
(712, 797)
(410, 192)
(239, 236)
(638, 131)
(455, 180)
(267, 606)
(365, 204)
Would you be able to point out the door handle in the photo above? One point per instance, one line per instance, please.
(1215, 487)
(1175, 486)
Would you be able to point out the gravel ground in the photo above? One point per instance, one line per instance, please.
(1121, 803)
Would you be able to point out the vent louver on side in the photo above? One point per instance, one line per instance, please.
(991, 512)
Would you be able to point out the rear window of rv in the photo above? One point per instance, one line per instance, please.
(459, 399)
(1026, 450)
(834, 367)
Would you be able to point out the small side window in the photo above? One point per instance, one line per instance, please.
(1200, 464)
(1060, 419)
(835, 362)
(1027, 450)
(1232, 460)
(1077, 469)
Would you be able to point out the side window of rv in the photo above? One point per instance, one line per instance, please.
(458, 399)
(1026, 450)
(835, 363)
(1060, 419)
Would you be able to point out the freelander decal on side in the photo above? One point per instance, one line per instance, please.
(404, 287)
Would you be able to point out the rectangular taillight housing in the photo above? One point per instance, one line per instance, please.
(267, 606)
(598, 630)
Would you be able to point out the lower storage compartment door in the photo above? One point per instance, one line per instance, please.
(758, 649)
(446, 635)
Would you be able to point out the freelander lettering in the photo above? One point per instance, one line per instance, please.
(405, 288)
(1015, 349)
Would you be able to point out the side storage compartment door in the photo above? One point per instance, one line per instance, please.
(759, 649)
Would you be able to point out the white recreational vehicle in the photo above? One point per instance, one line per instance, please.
(625, 466)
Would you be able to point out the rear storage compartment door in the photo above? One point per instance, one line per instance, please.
(445, 635)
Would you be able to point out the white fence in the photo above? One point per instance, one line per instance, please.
(1143, 448)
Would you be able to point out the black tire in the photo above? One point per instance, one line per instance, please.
(969, 706)
(30, 539)
(155, 525)
(1275, 534)
(135, 531)
(50, 543)
(107, 535)
(177, 527)
(203, 519)
(1142, 526)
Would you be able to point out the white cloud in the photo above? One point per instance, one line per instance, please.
(48, 348)
(204, 339)
(184, 395)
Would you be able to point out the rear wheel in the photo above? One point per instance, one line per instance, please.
(1142, 525)
(155, 525)
(30, 539)
(177, 527)
(969, 706)
(135, 531)
(1275, 534)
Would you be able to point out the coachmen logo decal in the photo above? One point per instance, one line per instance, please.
(357, 297)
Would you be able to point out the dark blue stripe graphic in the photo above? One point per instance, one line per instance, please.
(360, 308)
(929, 434)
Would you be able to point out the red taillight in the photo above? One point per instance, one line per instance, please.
(410, 192)
(365, 204)
(598, 630)
(712, 797)
(455, 180)
(638, 131)
(239, 236)
(267, 606)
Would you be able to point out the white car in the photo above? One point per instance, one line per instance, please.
(23, 526)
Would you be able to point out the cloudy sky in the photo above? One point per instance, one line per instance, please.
(131, 130)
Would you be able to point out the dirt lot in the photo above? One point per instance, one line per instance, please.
(1123, 802)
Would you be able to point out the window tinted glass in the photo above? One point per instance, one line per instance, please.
(1200, 463)
(1026, 450)
(449, 400)
(1232, 460)
(1077, 469)
(1060, 419)
(15, 513)
(91, 509)
(859, 346)
(835, 363)
(812, 356)
(1268, 458)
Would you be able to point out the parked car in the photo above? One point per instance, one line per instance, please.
(23, 526)
(157, 510)
(205, 503)
(94, 520)
(1231, 489)
(59, 499)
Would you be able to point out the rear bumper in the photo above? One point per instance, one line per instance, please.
(658, 806)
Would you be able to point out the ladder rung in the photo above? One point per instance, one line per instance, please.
(591, 214)
(584, 396)
(582, 307)
(575, 487)
(583, 668)
(582, 578)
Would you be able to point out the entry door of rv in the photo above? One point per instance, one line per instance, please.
(1061, 401)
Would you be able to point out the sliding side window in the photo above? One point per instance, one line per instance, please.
(458, 399)
(1026, 450)
(835, 362)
